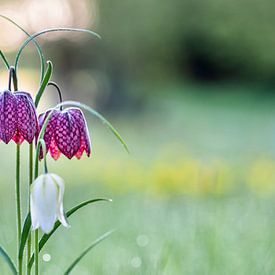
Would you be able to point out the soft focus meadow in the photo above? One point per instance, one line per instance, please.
(194, 99)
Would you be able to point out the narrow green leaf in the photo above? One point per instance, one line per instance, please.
(5, 60)
(44, 83)
(39, 50)
(8, 260)
(103, 120)
(24, 235)
(48, 31)
(90, 110)
(87, 250)
(46, 237)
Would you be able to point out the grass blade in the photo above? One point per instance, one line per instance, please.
(46, 237)
(39, 50)
(103, 120)
(44, 83)
(24, 235)
(32, 37)
(8, 260)
(87, 250)
(5, 60)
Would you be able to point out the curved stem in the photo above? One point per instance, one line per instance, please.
(39, 50)
(32, 37)
(29, 247)
(18, 203)
(51, 83)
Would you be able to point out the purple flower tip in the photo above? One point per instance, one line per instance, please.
(18, 119)
(66, 133)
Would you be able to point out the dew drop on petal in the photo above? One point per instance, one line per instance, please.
(46, 257)
(136, 262)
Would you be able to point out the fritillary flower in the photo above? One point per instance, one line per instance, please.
(46, 202)
(66, 133)
(18, 119)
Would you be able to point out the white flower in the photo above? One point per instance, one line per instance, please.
(47, 202)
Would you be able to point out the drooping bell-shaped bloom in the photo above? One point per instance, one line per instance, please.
(46, 202)
(66, 133)
(18, 120)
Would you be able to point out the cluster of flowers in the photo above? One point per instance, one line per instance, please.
(66, 133)
(56, 132)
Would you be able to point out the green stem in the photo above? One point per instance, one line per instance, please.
(18, 204)
(20, 267)
(45, 163)
(36, 251)
(36, 233)
(29, 247)
(5, 60)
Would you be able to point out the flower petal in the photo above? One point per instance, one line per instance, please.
(55, 152)
(44, 203)
(18, 137)
(85, 142)
(67, 134)
(48, 136)
(26, 116)
(8, 116)
(60, 211)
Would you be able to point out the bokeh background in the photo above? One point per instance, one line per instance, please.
(190, 86)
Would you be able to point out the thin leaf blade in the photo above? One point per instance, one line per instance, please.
(44, 83)
(24, 235)
(5, 60)
(8, 260)
(32, 37)
(39, 50)
(46, 237)
(105, 122)
(87, 250)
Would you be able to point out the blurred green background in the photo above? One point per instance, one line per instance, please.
(190, 86)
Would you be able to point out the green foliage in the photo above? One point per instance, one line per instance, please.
(8, 260)
(46, 237)
(39, 50)
(44, 83)
(87, 250)
(227, 233)
(24, 235)
(4, 60)
(32, 38)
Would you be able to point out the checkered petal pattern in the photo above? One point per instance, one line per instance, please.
(8, 116)
(66, 133)
(26, 116)
(18, 119)
(49, 132)
(85, 141)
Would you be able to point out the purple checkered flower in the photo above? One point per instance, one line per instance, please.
(18, 119)
(66, 133)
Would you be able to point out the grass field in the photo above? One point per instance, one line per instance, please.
(195, 196)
